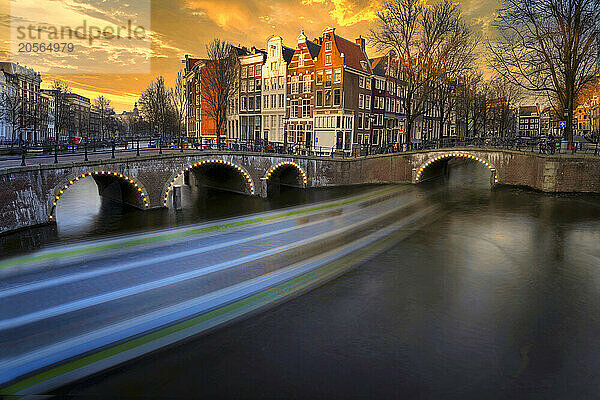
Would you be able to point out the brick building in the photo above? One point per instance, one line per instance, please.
(341, 118)
(251, 66)
(301, 100)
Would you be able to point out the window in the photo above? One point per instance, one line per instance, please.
(328, 78)
(251, 103)
(258, 70)
(300, 134)
(327, 46)
(258, 81)
(368, 83)
(294, 88)
(301, 60)
(319, 77)
(361, 81)
(244, 103)
(360, 120)
(244, 86)
(273, 101)
(281, 103)
(327, 59)
(258, 102)
(319, 98)
(266, 101)
(251, 85)
(244, 72)
(367, 121)
(368, 102)
(327, 101)
(294, 109)
(337, 97)
(305, 108)
(338, 76)
(361, 100)
(266, 83)
(280, 80)
(306, 83)
(291, 133)
(250, 72)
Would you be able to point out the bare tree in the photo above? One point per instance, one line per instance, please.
(104, 109)
(550, 47)
(155, 106)
(428, 40)
(178, 101)
(63, 116)
(218, 82)
(12, 112)
(504, 98)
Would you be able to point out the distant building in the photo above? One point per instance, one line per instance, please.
(529, 121)
(583, 119)
(23, 83)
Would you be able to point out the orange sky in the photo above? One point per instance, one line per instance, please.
(121, 70)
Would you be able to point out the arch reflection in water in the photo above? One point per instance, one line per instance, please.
(78, 208)
(458, 171)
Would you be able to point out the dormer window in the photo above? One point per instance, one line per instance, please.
(363, 64)
(327, 46)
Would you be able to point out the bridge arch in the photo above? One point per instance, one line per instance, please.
(136, 194)
(280, 168)
(494, 172)
(245, 178)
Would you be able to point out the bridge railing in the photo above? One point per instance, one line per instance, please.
(96, 149)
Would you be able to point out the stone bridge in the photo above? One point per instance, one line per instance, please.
(28, 195)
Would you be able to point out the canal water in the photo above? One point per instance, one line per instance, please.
(499, 298)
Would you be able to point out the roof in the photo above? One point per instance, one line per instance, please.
(287, 53)
(378, 65)
(313, 48)
(526, 111)
(354, 56)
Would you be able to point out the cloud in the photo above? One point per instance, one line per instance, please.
(348, 12)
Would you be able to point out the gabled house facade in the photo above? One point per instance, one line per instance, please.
(250, 98)
(274, 89)
(300, 88)
(342, 70)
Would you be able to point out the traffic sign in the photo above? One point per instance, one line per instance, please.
(562, 124)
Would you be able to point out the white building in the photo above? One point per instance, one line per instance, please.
(28, 83)
(274, 88)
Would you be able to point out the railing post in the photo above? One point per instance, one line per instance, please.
(23, 150)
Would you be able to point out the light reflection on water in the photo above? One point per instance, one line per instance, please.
(81, 214)
(499, 299)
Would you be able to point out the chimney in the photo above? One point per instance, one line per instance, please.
(361, 42)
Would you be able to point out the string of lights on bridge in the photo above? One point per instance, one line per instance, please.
(288, 163)
(449, 155)
(210, 161)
